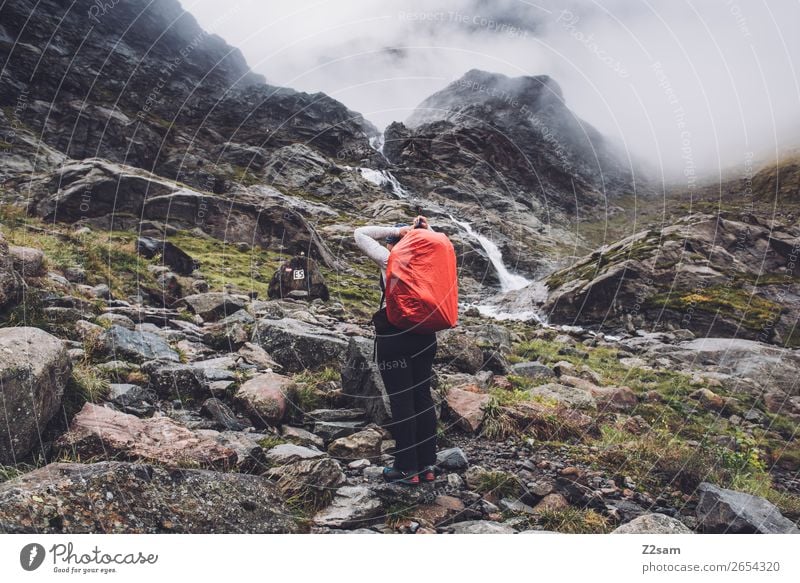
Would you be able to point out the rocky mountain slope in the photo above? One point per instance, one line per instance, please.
(150, 187)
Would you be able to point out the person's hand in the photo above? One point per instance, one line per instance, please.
(420, 222)
(404, 231)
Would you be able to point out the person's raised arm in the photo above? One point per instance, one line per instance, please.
(367, 239)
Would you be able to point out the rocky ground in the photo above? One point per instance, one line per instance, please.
(224, 412)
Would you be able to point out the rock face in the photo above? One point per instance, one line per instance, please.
(100, 432)
(727, 511)
(362, 384)
(713, 276)
(299, 274)
(34, 370)
(492, 130)
(116, 497)
(138, 346)
(204, 91)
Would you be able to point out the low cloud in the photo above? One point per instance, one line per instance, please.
(691, 86)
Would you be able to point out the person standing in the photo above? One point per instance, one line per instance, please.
(405, 361)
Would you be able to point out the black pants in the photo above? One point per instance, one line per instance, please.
(405, 361)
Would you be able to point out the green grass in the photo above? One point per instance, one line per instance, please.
(497, 483)
(574, 521)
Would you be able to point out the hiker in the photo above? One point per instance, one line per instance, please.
(405, 360)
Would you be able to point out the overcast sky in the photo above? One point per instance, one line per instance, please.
(685, 84)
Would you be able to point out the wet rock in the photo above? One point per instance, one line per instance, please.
(299, 346)
(34, 371)
(452, 459)
(467, 408)
(458, 351)
(300, 436)
(352, 507)
(258, 357)
(317, 476)
(213, 306)
(726, 511)
(330, 430)
(221, 414)
(184, 380)
(138, 347)
(102, 432)
(117, 497)
(264, 398)
(133, 399)
(172, 255)
(362, 384)
(362, 445)
(653, 524)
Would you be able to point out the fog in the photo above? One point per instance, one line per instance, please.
(693, 87)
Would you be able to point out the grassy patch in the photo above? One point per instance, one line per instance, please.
(499, 484)
(574, 521)
(749, 310)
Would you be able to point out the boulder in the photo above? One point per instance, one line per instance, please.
(171, 255)
(452, 459)
(34, 371)
(533, 370)
(316, 476)
(301, 436)
(221, 414)
(27, 261)
(102, 432)
(137, 346)
(127, 498)
(570, 396)
(264, 398)
(299, 346)
(458, 351)
(181, 381)
(257, 356)
(352, 506)
(132, 399)
(299, 273)
(361, 445)
(467, 408)
(727, 511)
(653, 524)
(362, 384)
(213, 306)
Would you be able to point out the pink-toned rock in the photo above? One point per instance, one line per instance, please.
(264, 398)
(467, 408)
(102, 432)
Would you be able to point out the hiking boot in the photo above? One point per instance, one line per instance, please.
(427, 474)
(394, 476)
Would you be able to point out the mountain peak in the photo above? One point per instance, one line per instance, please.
(525, 94)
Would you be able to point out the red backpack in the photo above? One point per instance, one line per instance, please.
(422, 283)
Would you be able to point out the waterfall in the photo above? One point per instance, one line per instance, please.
(508, 281)
(383, 177)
